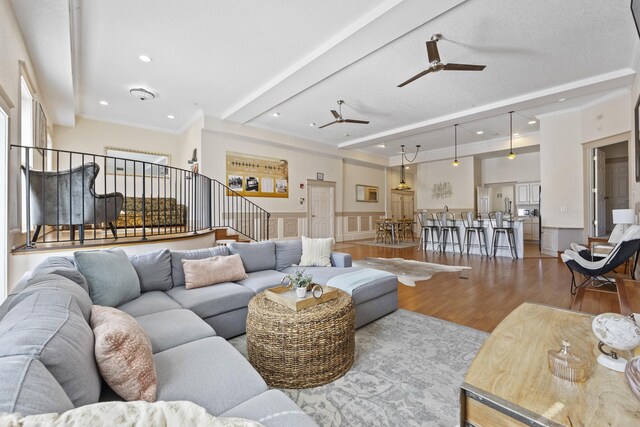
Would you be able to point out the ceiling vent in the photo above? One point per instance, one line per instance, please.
(142, 94)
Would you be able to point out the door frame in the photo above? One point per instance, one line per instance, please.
(587, 178)
(332, 213)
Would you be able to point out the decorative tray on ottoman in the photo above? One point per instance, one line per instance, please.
(287, 297)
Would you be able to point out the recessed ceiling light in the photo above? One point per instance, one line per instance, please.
(381, 146)
(532, 122)
(406, 167)
(103, 102)
(145, 58)
(561, 99)
(171, 116)
(312, 124)
(516, 134)
(480, 132)
(275, 114)
(347, 134)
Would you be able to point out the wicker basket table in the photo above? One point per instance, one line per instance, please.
(301, 349)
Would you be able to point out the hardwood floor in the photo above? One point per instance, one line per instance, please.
(494, 287)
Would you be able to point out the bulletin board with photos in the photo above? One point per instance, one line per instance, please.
(254, 176)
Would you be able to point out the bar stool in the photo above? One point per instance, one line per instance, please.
(429, 229)
(447, 224)
(470, 230)
(502, 224)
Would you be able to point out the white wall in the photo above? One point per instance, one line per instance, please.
(353, 175)
(524, 168)
(461, 178)
(561, 170)
(607, 118)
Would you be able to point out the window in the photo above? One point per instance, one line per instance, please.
(26, 140)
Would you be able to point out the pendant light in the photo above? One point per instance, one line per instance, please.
(511, 155)
(403, 184)
(455, 145)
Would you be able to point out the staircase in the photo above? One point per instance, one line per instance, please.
(107, 198)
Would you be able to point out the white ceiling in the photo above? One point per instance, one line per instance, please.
(242, 61)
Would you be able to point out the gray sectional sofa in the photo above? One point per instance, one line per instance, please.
(53, 369)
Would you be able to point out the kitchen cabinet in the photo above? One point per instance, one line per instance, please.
(528, 193)
(531, 228)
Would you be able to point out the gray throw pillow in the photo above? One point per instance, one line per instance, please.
(177, 271)
(288, 253)
(154, 270)
(256, 256)
(49, 326)
(62, 266)
(111, 277)
(28, 388)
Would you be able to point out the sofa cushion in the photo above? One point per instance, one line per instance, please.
(154, 270)
(49, 326)
(316, 252)
(62, 266)
(255, 256)
(171, 328)
(177, 272)
(149, 302)
(261, 280)
(111, 277)
(212, 300)
(27, 387)
(208, 372)
(53, 281)
(288, 253)
(123, 353)
(273, 409)
(209, 271)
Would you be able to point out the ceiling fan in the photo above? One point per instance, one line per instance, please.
(436, 65)
(339, 119)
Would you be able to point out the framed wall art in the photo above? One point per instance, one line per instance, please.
(253, 176)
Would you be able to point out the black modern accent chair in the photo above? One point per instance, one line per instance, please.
(627, 248)
(68, 198)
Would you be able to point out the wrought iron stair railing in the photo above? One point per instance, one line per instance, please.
(107, 197)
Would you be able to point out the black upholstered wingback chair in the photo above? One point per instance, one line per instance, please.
(68, 198)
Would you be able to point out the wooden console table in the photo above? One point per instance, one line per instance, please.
(509, 382)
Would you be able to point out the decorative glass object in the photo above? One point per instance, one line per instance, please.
(566, 365)
(632, 372)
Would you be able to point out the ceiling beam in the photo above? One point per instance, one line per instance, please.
(386, 23)
(617, 79)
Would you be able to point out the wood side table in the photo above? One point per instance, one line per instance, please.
(301, 349)
(509, 382)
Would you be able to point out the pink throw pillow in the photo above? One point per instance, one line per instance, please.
(209, 271)
(123, 353)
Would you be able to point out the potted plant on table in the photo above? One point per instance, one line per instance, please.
(299, 281)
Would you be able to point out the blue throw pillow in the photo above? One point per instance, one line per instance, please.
(111, 278)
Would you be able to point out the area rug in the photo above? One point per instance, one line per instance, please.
(409, 271)
(407, 372)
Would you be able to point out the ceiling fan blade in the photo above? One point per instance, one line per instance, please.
(335, 114)
(432, 51)
(360, 122)
(328, 124)
(417, 76)
(463, 67)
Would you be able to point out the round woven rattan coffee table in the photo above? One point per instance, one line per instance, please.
(301, 349)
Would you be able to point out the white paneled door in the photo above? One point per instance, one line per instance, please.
(321, 210)
(600, 226)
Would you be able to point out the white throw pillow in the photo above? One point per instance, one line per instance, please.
(316, 252)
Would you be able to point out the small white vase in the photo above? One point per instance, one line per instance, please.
(301, 292)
